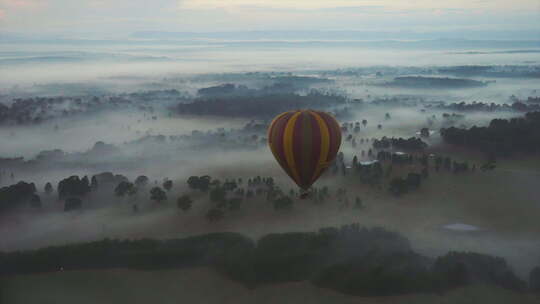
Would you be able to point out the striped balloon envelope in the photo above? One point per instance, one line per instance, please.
(304, 142)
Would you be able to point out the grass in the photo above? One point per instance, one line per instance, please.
(205, 286)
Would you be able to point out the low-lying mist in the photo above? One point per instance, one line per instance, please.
(124, 116)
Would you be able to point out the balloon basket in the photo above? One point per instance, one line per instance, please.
(304, 194)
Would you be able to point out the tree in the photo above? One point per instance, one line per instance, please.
(141, 181)
(201, 183)
(14, 195)
(410, 144)
(48, 188)
(214, 215)
(230, 185)
(94, 183)
(501, 138)
(124, 188)
(193, 182)
(157, 194)
(108, 178)
(184, 202)
(270, 182)
(86, 183)
(424, 132)
(204, 183)
(215, 183)
(73, 186)
(168, 185)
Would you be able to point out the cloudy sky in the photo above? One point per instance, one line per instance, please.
(122, 17)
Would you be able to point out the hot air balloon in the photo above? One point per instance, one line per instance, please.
(304, 142)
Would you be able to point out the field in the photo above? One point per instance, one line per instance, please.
(205, 286)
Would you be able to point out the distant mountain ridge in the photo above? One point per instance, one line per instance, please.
(201, 39)
(343, 35)
(507, 36)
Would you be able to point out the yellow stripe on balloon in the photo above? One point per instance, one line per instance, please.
(272, 125)
(325, 145)
(271, 135)
(288, 145)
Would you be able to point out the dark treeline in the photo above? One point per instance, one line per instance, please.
(399, 101)
(259, 106)
(280, 85)
(533, 100)
(488, 107)
(528, 71)
(493, 70)
(434, 82)
(228, 195)
(76, 192)
(350, 259)
(34, 110)
(17, 195)
(409, 144)
(71, 190)
(501, 138)
(299, 81)
(39, 109)
(412, 168)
